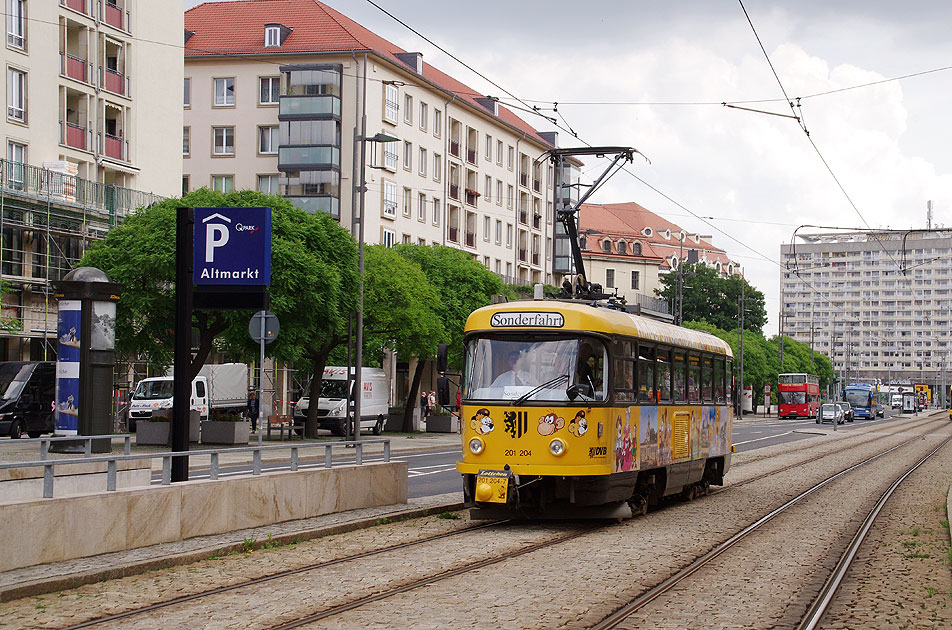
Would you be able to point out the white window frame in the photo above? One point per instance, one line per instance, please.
(407, 202)
(424, 158)
(511, 157)
(636, 280)
(424, 109)
(16, 23)
(389, 207)
(390, 156)
(224, 93)
(16, 155)
(510, 193)
(272, 36)
(388, 238)
(187, 102)
(498, 231)
(224, 179)
(498, 192)
(271, 81)
(391, 103)
(488, 188)
(421, 207)
(437, 167)
(487, 227)
(273, 134)
(499, 152)
(509, 236)
(224, 141)
(407, 156)
(16, 94)
(489, 148)
(270, 177)
(186, 140)
(436, 211)
(437, 123)
(408, 109)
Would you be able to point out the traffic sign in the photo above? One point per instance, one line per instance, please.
(271, 326)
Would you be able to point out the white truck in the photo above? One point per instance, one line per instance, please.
(332, 406)
(222, 387)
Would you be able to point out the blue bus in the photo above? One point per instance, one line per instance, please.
(862, 397)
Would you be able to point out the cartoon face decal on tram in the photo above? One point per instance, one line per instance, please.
(550, 423)
(578, 426)
(481, 423)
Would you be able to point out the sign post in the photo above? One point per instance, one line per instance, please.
(263, 328)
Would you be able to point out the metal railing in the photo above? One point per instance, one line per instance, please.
(86, 439)
(112, 460)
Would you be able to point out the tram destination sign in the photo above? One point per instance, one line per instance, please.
(232, 247)
(526, 319)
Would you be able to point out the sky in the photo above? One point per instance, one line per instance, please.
(653, 75)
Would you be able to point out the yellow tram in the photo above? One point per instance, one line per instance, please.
(577, 409)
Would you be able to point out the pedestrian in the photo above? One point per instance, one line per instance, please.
(424, 406)
(252, 411)
(431, 401)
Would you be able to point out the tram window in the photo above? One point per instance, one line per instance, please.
(694, 379)
(624, 379)
(680, 391)
(707, 375)
(719, 380)
(646, 381)
(729, 381)
(663, 360)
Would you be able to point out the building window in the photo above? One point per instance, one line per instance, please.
(437, 122)
(224, 140)
(486, 228)
(184, 185)
(408, 109)
(499, 152)
(268, 140)
(437, 166)
(406, 239)
(16, 154)
(423, 160)
(224, 92)
(389, 199)
(186, 140)
(389, 238)
(268, 184)
(609, 278)
(390, 156)
(270, 90)
(622, 247)
(16, 23)
(498, 192)
(272, 36)
(390, 103)
(488, 188)
(407, 156)
(423, 115)
(510, 193)
(16, 95)
(421, 207)
(489, 148)
(407, 202)
(509, 235)
(188, 92)
(498, 232)
(511, 158)
(635, 279)
(223, 183)
(436, 212)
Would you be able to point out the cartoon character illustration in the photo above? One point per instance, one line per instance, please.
(618, 444)
(578, 426)
(550, 423)
(626, 443)
(481, 423)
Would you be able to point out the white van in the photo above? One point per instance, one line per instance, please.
(221, 387)
(332, 406)
(896, 401)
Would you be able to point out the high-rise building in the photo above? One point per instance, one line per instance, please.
(285, 97)
(877, 303)
(91, 133)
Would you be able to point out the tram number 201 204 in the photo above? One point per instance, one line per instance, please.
(518, 453)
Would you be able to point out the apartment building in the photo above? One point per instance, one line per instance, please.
(90, 132)
(877, 303)
(279, 95)
(628, 249)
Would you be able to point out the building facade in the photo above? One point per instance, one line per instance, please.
(877, 303)
(89, 136)
(294, 98)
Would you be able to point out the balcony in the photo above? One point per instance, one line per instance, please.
(112, 147)
(291, 106)
(73, 67)
(471, 196)
(470, 239)
(454, 236)
(75, 5)
(292, 158)
(113, 81)
(112, 15)
(75, 136)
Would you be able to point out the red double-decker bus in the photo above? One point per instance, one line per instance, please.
(799, 395)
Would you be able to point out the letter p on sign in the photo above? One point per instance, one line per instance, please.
(216, 235)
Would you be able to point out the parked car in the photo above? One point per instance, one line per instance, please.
(847, 410)
(27, 389)
(830, 412)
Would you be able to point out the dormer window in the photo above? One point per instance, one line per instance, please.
(647, 231)
(666, 234)
(636, 249)
(272, 36)
(622, 247)
(674, 262)
(582, 243)
(682, 235)
(607, 246)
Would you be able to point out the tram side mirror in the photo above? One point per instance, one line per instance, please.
(441, 354)
(572, 392)
(443, 391)
(580, 389)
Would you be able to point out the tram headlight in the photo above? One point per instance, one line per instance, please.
(557, 447)
(476, 446)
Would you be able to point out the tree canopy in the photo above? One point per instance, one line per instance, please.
(709, 297)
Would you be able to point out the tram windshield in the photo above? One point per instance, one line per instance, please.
(525, 369)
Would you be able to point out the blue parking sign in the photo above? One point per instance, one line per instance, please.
(232, 246)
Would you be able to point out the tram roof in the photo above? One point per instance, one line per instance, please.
(543, 315)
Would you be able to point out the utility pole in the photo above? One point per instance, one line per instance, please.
(743, 307)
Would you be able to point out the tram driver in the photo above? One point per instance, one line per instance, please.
(516, 375)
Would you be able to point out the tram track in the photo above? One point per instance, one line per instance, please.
(676, 580)
(306, 617)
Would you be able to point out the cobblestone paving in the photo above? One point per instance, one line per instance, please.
(573, 584)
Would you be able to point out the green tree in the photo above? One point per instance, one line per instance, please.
(709, 297)
(312, 281)
(463, 286)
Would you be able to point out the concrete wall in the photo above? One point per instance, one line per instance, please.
(17, 484)
(52, 530)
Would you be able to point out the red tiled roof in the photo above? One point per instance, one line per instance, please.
(237, 28)
(629, 220)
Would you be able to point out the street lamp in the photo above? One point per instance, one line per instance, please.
(362, 190)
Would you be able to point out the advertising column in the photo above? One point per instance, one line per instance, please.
(67, 367)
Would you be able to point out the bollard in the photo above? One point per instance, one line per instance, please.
(213, 467)
(110, 475)
(327, 456)
(294, 458)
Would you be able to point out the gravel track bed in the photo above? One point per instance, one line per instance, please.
(573, 584)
